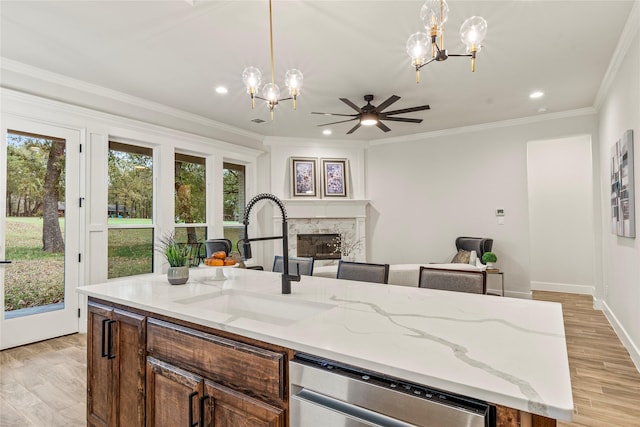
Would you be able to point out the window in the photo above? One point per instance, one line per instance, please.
(130, 210)
(190, 197)
(234, 201)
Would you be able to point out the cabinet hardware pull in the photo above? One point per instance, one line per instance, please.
(202, 399)
(104, 352)
(191, 396)
(110, 340)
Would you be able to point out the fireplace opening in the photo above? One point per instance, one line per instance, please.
(319, 246)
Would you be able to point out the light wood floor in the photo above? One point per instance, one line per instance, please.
(43, 384)
(605, 382)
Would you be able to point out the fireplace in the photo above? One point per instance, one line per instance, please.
(319, 246)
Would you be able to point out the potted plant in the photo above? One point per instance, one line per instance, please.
(489, 258)
(178, 256)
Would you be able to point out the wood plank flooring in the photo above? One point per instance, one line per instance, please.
(605, 382)
(43, 384)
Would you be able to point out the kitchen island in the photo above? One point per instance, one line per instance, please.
(507, 352)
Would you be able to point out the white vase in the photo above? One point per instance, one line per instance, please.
(178, 275)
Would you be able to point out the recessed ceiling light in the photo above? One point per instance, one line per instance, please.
(536, 94)
(222, 90)
(326, 132)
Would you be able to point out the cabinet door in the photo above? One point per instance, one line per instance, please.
(129, 348)
(99, 366)
(173, 395)
(225, 407)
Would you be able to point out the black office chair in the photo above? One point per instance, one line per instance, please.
(478, 244)
(363, 271)
(297, 265)
(470, 281)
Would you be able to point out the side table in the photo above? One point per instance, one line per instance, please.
(496, 273)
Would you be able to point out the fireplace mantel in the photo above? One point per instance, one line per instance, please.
(326, 208)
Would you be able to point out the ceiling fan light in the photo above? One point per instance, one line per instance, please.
(419, 48)
(473, 32)
(251, 77)
(368, 119)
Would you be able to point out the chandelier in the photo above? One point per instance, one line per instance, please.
(424, 48)
(252, 77)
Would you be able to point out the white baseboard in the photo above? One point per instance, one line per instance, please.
(633, 350)
(562, 287)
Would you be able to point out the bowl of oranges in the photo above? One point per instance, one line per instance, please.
(219, 260)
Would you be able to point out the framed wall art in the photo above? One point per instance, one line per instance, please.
(334, 177)
(303, 177)
(622, 191)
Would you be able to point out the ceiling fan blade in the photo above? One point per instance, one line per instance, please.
(351, 104)
(341, 121)
(336, 114)
(385, 104)
(355, 128)
(402, 119)
(383, 126)
(408, 110)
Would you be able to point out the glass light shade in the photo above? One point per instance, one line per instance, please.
(368, 119)
(271, 92)
(434, 12)
(251, 77)
(419, 48)
(293, 79)
(473, 32)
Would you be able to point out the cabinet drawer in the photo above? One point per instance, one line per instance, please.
(241, 366)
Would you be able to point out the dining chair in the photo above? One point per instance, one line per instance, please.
(297, 265)
(363, 271)
(470, 281)
(216, 245)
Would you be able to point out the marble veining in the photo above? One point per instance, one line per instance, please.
(462, 353)
(506, 351)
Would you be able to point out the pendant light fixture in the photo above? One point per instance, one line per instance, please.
(424, 48)
(252, 77)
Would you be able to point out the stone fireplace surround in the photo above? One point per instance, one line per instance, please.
(347, 217)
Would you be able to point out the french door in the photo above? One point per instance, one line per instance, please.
(40, 231)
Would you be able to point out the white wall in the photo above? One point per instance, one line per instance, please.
(561, 194)
(431, 189)
(621, 111)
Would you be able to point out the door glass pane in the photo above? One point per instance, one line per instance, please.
(233, 180)
(130, 210)
(35, 224)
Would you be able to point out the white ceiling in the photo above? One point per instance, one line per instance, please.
(175, 54)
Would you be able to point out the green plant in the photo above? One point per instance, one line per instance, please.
(489, 257)
(177, 254)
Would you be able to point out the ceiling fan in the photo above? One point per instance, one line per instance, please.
(370, 115)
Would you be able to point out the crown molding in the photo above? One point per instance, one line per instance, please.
(487, 126)
(118, 123)
(629, 32)
(90, 88)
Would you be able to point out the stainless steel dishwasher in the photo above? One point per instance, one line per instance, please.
(330, 394)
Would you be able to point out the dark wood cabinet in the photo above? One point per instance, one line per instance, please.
(206, 380)
(116, 351)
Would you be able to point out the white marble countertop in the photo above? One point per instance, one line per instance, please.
(506, 351)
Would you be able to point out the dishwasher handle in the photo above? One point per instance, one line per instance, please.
(355, 413)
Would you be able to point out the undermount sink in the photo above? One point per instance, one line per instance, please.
(277, 310)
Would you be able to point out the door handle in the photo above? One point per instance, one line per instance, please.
(105, 351)
(110, 340)
(202, 399)
(5, 261)
(191, 396)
